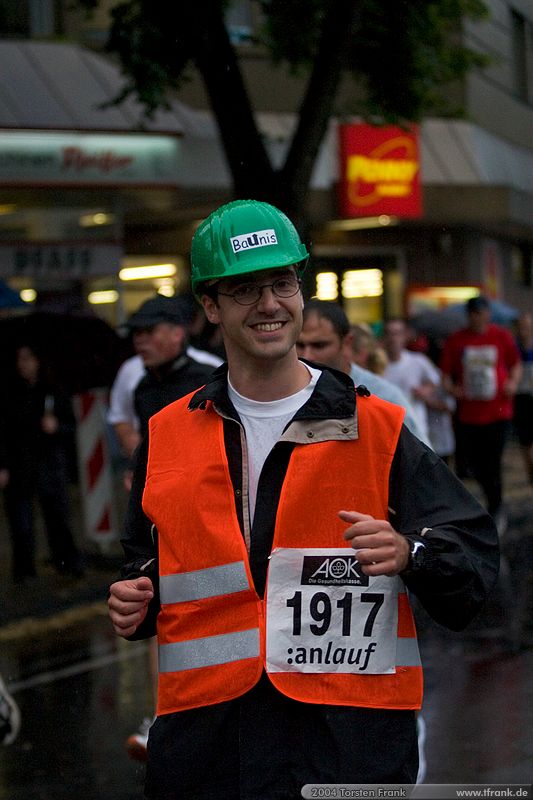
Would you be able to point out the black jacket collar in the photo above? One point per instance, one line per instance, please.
(333, 397)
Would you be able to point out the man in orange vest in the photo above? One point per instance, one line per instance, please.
(291, 512)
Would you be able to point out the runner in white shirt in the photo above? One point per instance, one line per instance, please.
(412, 372)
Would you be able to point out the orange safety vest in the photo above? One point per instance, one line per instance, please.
(211, 627)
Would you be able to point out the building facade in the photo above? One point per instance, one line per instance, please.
(88, 189)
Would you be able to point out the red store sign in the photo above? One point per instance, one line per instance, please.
(380, 171)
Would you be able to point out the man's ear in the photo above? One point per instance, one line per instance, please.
(211, 309)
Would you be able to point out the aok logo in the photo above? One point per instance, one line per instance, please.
(247, 241)
(332, 571)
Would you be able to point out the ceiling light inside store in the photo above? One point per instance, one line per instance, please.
(93, 220)
(361, 223)
(147, 272)
(362, 283)
(167, 290)
(104, 296)
(327, 286)
(28, 295)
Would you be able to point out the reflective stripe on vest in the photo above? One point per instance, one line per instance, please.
(211, 625)
(182, 587)
(209, 651)
(407, 652)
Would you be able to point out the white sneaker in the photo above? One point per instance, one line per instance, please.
(9, 716)
(137, 743)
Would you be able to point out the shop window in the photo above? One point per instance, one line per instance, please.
(359, 291)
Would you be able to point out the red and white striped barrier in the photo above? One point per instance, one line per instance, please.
(94, 466)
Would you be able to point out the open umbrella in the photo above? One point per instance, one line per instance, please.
(80, 350)
(441, 323)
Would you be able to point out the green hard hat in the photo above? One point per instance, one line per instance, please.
(243, 236)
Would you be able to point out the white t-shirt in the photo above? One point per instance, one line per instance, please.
(263, 425)
(121, 407)
(410, 371)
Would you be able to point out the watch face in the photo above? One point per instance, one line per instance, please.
(417, 555)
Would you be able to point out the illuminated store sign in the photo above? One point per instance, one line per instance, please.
(380, 171)
(50, 158)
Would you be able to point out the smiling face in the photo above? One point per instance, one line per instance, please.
(264, 331)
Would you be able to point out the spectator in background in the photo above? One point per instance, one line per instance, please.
(363, 342)
(326, 338)
(37, 423)
(378, 361)
(366, 352)
(441, 407)
(523, 411)
(412, 372)
(482, 368)
(161, 316)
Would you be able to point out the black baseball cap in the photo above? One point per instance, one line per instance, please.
(478, 303)
(159, 309)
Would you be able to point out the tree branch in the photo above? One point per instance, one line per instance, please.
(317, 105)
(247, 157)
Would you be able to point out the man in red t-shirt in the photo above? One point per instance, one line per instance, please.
(481, 368)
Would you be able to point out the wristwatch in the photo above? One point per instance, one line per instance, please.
(418, 556)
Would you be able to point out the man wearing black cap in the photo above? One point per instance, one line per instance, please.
(165, 368)
(481, 367)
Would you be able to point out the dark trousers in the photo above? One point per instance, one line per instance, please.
(50, 489)
(482, 448)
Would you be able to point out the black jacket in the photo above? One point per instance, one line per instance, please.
(264, 745)
(158, 388)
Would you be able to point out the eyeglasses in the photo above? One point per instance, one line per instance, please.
(246, 294)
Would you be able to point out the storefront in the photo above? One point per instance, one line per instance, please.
(97, 211)
(426, 218)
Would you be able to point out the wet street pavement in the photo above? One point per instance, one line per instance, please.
(82, 691)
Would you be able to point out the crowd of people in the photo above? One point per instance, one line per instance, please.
(263, 466)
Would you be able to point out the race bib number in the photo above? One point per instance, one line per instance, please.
(325, 615)
(479, 369)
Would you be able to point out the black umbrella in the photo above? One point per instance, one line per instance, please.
(80, 350)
